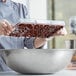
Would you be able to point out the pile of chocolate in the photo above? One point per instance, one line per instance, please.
(35, 30)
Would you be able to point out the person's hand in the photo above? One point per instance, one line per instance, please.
(61, 32)
(5, 27)
(38, 42)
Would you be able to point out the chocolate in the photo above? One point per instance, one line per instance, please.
(35, 30)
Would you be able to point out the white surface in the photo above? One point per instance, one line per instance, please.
(61, 73)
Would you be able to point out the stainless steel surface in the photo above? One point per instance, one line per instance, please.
(38, 60)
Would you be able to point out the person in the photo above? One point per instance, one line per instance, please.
(10, 14)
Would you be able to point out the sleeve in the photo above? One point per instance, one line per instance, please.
(29, 42)
(7, 42)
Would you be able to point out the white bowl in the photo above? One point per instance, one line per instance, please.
(38, 61)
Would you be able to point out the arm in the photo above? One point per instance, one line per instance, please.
(7, 42)
(5, 27)
(34, 42)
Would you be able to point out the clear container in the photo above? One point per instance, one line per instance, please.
(50, 22)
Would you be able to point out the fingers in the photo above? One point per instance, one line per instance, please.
(61, 32)
(5, 27)
(2, 28)
(64, 31)
(9, 26)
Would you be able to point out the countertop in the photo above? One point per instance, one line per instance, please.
(60, 73)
